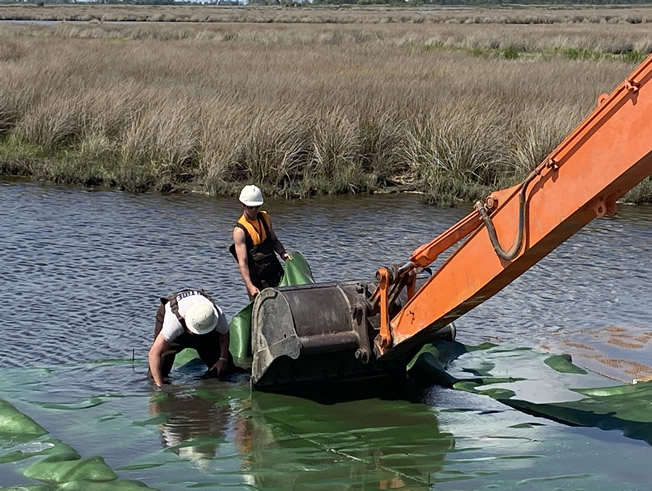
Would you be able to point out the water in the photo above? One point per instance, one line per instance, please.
(82, 272)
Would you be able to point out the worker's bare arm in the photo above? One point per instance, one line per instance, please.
(222, 363)
(155, 357)
(239, 239)
(278, 246)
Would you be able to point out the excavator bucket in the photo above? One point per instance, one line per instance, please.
(316, 333)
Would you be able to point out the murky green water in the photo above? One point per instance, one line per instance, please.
(81, 274)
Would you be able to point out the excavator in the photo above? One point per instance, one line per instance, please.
(356, 330)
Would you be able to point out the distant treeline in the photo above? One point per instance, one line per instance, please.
(393, 3)
(475, 3)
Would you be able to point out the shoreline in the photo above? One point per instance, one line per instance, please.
(237, 186)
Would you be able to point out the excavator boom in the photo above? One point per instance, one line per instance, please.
(368, 329)
(608, 154)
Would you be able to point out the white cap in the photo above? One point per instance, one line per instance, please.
(201, 318)
(251, 195)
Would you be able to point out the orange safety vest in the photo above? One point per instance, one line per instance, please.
(258, 231)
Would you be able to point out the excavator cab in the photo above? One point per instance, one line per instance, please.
(358, 330)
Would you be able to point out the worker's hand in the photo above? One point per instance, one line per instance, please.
(286, 256)
(220, 366)
(253, 292)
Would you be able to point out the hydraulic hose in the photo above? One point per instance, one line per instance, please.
(522, 206)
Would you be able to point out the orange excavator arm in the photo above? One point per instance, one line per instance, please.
(358, 329)
(608, 154)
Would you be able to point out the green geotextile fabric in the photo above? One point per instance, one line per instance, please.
(296, 272)
(49, 460)
(540, 384)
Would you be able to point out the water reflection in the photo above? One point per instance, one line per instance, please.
(373, 438)
(193, 427)
(379, 436)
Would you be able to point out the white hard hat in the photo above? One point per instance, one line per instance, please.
(201, 318)
(251, 195)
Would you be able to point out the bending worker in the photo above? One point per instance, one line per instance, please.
(189, 319)
(255, 244)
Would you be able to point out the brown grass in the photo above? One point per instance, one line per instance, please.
(304, 107)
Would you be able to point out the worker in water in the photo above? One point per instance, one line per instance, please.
(255, 244)
(189, 319)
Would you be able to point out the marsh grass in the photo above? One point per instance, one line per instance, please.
(640, 194)
(452, 110)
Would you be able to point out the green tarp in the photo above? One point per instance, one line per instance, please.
(218, 435)
(540, 384)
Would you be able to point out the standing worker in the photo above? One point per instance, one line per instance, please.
(255, 244)
(189, 319)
